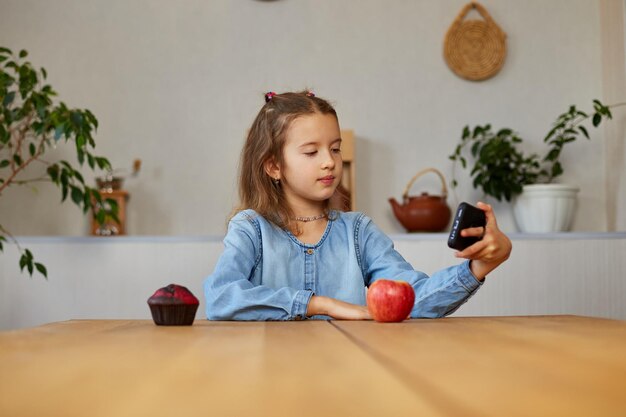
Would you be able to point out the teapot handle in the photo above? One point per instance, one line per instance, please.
(444, 189)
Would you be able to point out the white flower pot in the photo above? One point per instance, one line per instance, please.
(544, 208)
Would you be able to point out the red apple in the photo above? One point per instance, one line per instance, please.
(390, 301)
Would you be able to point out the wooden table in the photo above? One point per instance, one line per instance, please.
(487, 366)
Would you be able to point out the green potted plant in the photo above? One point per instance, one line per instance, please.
(500, 168)
(31, 123)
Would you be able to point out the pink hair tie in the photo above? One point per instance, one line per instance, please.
(269, 96)
(310, 94)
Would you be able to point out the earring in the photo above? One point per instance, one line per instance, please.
(276, 181)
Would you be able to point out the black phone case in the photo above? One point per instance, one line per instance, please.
(466, 216)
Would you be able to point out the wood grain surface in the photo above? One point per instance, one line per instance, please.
(134, 368)
(506, 366)
(483, 366)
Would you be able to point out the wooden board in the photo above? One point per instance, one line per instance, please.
(506, 366)
(134, 368)
(487, 366)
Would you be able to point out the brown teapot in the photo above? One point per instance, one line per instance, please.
(424, 213)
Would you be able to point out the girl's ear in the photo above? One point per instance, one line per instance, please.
(272, 168)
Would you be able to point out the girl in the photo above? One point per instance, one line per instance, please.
(289, 256)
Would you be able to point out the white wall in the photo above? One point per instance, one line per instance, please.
(177, 83)
(614, 86)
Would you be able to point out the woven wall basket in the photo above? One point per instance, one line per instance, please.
(475, 49)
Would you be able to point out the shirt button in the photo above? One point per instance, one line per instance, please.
(309, 251)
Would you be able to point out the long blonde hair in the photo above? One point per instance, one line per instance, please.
(265, 141)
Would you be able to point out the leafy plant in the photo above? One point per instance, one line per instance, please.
(30, 124)
(500, 169)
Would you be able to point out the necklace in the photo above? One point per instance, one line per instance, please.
(310, 219)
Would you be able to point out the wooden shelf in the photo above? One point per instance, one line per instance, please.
(110, 226)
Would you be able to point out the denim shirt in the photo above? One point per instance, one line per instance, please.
(266, 273)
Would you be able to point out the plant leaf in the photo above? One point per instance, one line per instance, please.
(80, 155)
(584, 131)
(466, 132)
(77, 195)
(96, 195)
(103, 163)
(79, 176)
(550, 133)
(91, 161)
(64, 184)
(58, 131)
(42, 269)
(53, 173)
(80, 141)
(101, 216)
(8, 99)
(552, 155)
(23, 261)
(597, 118)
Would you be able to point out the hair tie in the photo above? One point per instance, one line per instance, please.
(310, 94)
(269, 96)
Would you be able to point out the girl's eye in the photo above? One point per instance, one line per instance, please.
(336, 150)
(310, 153)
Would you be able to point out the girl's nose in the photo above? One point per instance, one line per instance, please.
(329, 161)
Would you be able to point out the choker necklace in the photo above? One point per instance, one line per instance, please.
(310, 219)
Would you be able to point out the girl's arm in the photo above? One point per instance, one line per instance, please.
(446, 290)
(228, 291)
(336, 309)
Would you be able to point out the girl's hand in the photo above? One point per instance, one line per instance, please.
(494, 248)
(336, 309)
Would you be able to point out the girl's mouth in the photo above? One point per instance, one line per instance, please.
(327, 180)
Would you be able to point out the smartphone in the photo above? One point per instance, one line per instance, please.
(466, 216)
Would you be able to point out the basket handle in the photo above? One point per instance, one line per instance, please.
(480, 9)
(444, 189)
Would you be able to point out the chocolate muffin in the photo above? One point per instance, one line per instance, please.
(173, 305)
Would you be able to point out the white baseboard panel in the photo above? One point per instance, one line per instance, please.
(109, 278)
